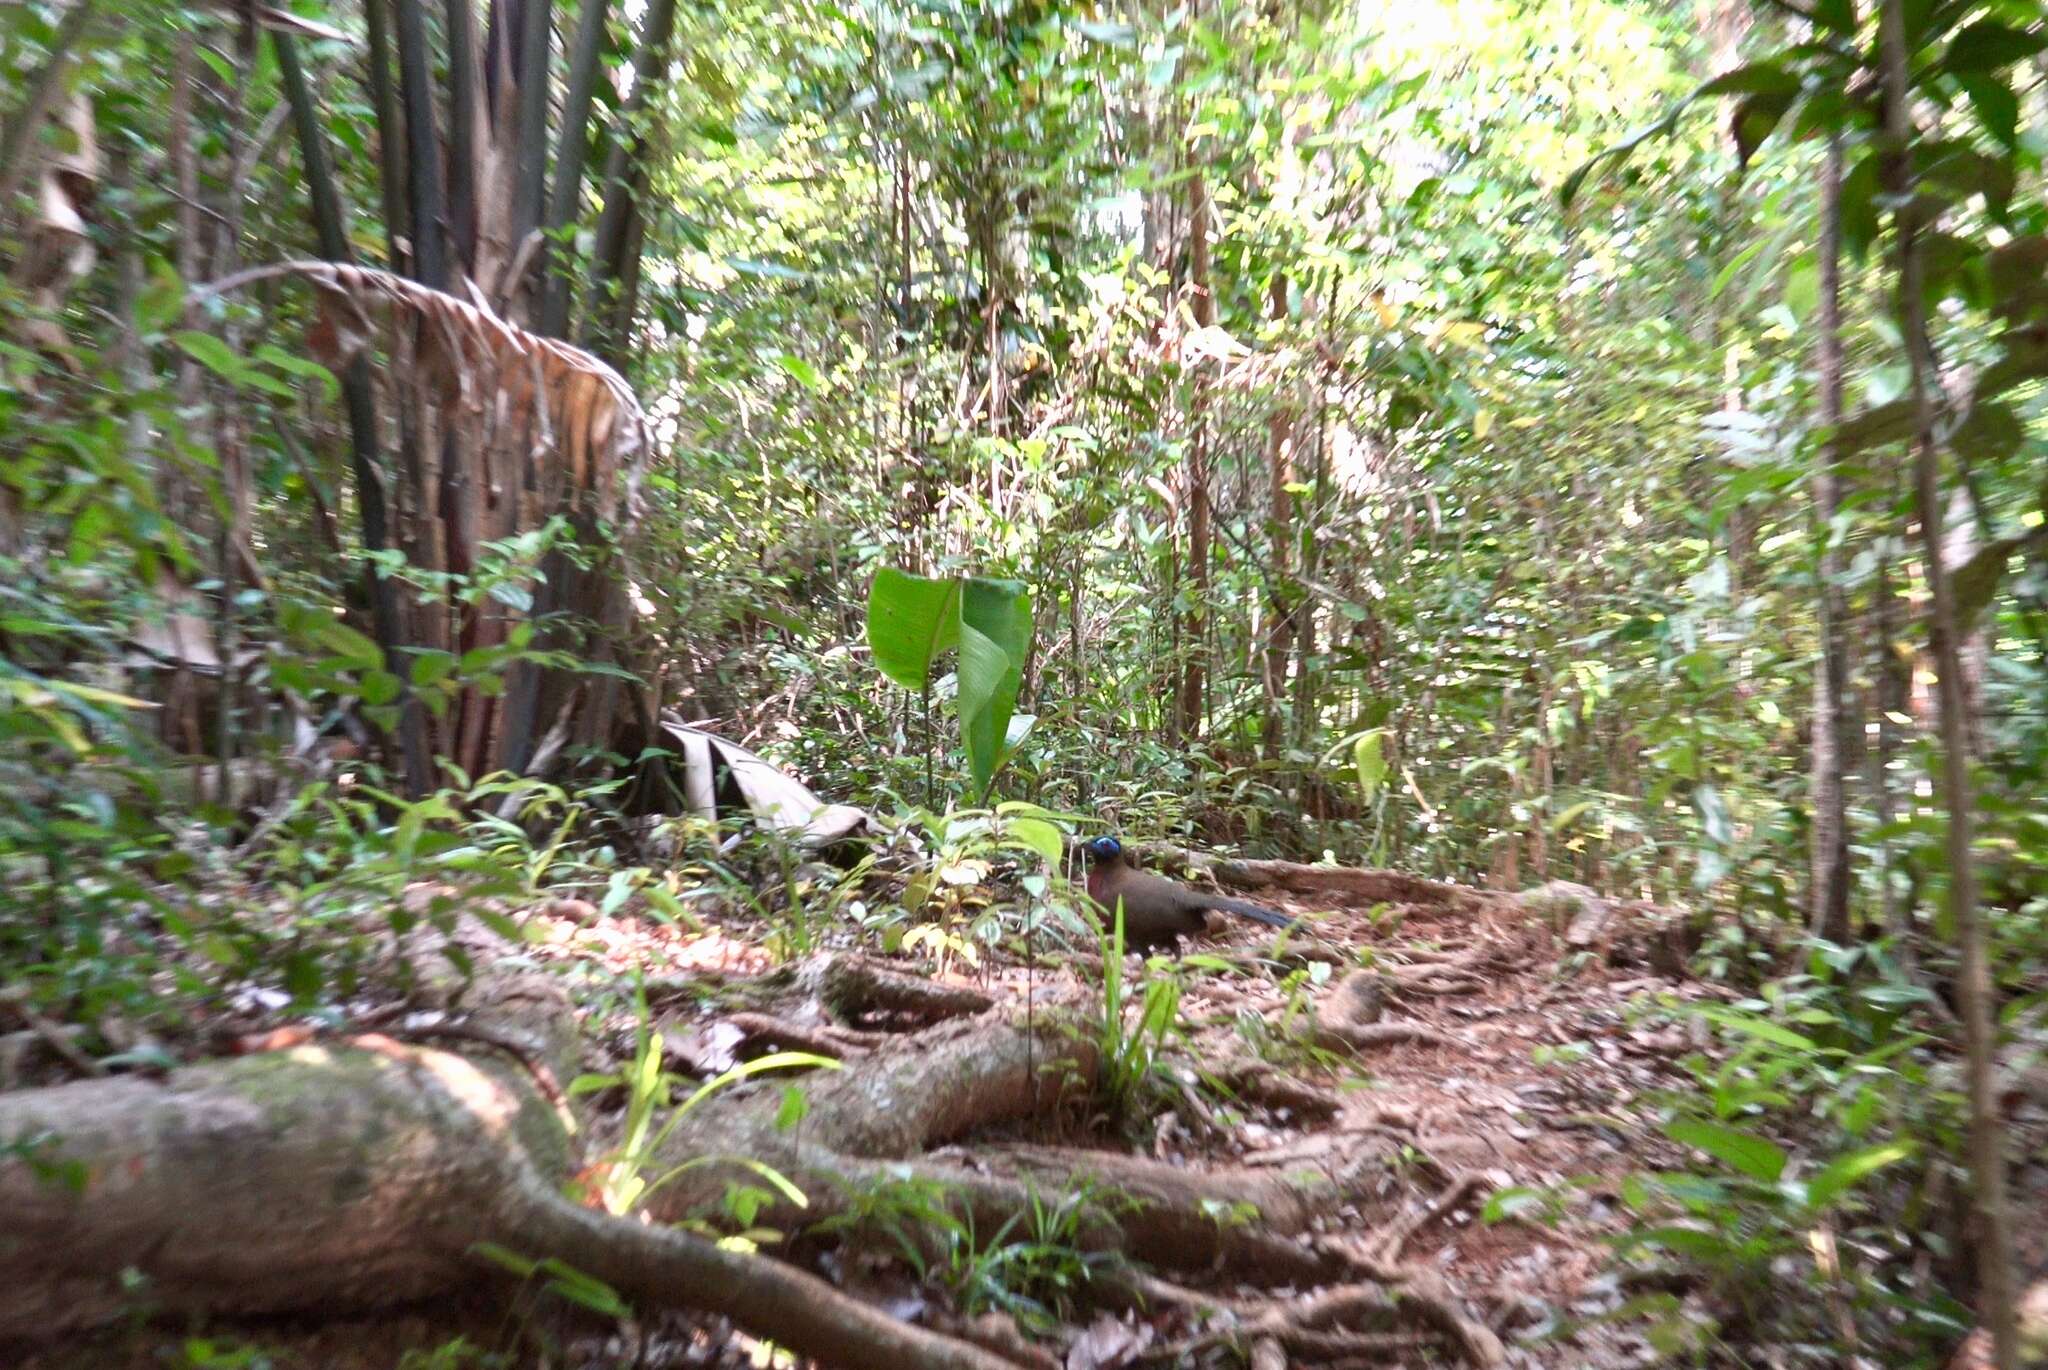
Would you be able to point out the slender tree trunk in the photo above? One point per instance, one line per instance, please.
(608, 266)
(423, 152)
(536, 44)
(1281, 597)
(1194, 626)
(391, 175)
(1541, 780)
(182, 499)
(330, 226)
(570, 150)
(532, 695)
(1305, 616)
(1987, 1137)
(462, 133)
(1828, 893)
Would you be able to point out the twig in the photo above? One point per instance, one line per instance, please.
(1463, 1188)
(53, 1035)
(1385, 1034)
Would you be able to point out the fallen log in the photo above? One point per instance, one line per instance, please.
(1354, 886)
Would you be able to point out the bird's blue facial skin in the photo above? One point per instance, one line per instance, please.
(1106, 847)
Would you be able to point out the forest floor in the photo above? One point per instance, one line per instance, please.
(1534, 1066)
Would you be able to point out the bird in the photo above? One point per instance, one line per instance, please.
(1158, 911)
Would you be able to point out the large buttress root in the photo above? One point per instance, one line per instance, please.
(353, 1176)
(358, 1173)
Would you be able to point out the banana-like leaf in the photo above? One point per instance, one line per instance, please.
(775, 798)
(911, 620)
(995, 636)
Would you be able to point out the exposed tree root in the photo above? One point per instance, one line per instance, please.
(1356, 1000)
(1397, 1237)
(853, 987)
(353, 1176)
(1440, 984)
(835, 1043)
(1347, 1019)
(1259, 1083)
(846, 986)
(997, 1333)
(1313, 1327)
(357, 1173)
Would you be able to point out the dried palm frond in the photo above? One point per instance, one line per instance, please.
(58, 250)
(494, 371)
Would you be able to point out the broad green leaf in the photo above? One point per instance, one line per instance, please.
(211, 353)
(1757, 1157)
(1844, 1171)
(1686, 1241)
(1014, 735)
(1369, 757)
(796, 1106)
(1039, 836)
(1521, 1201)
(804, 373)
(430, 667)
(303, 367)
(1570, 815)
(355, 651)
(1998, 109)
(379, 687)
(159, 304)
(995, 637)
(1987, 45)
(1839, 15)
(1755, 117)
(1757, 78)
(911, 620)
(1760, 1028)
(985, 674)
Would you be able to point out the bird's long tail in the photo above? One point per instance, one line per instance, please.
(1258, 913)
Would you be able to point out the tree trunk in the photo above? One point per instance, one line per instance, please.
(1281, 597)
(608, 266)
(462, 133)
(391, 179)
(331, 229)
(1828, 893)
(1987, 1137)
(534, 44)
(1194, 626)
(1305, 708)
(423, 152)
(571, 148)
